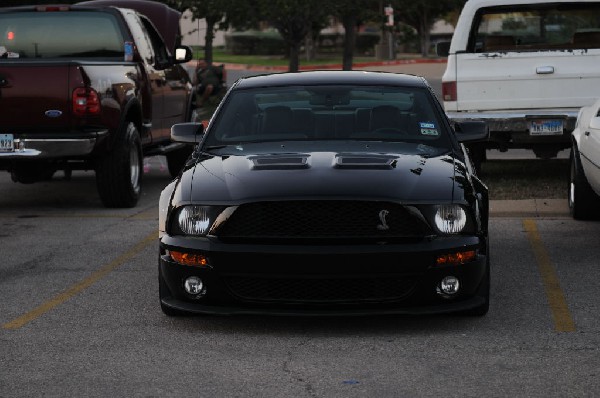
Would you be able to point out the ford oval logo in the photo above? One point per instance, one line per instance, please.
(53, 113)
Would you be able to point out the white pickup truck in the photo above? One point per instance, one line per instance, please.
(525, 67)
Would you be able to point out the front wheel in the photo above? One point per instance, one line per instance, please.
(119, 172)
(583, 201)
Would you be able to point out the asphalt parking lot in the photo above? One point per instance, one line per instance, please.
(80, 315)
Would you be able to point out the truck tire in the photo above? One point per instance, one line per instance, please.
(119, 172)
(583, 201)
(176, 160)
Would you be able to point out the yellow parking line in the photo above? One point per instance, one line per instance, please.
(75, 289)
(563, 321)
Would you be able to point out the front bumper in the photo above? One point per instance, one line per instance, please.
(323, 280)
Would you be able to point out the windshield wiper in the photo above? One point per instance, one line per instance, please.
(213, 147)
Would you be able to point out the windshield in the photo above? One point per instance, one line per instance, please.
(59, 34)
(307, 113)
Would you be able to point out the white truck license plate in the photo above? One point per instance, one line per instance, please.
(6, 143)
(546, 127)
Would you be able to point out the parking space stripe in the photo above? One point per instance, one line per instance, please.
(77, 288)
(563, 321)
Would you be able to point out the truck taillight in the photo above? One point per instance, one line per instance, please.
(449, 91)
(85, 101)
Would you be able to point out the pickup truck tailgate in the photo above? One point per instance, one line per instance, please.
(34, 98)
(527, 80)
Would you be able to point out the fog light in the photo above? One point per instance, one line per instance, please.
(448, 286)
(194, 286)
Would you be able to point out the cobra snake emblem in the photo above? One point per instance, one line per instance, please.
(383, 226)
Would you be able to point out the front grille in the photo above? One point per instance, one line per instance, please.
(318, 219)
(320, 290)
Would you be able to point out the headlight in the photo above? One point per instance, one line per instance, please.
(450, 219)
(196, 220)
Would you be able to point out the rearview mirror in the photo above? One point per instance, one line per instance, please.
(187, 133)
(183, 54)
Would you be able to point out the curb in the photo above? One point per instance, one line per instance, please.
(530, 208)
(284, 68)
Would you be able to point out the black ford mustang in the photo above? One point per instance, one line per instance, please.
(322, 193)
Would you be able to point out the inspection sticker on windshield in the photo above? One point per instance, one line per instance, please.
(546, 127)
(6, 143)
(429, 129)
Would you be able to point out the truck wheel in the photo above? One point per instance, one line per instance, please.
(583, 201)
(119, 173)
(176, 160)
(546, 153)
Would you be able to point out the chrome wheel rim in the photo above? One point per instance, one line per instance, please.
(134, 169)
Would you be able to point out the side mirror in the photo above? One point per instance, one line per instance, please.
(183, 54)
(595, 123)
(187, 133)
(471, 131)
(442, 48)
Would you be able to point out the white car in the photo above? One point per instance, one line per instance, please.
(584, 187)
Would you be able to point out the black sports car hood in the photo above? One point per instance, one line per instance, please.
(415, 174)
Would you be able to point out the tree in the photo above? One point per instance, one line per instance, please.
(293, 20)
(422, 14)
(212, 11)
(351, 13)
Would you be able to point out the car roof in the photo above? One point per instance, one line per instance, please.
(492, 3)
(328, 77)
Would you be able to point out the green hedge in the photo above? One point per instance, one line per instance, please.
(271, 43)
(255, 43)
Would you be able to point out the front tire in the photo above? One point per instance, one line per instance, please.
(583, 201)
(119, 172)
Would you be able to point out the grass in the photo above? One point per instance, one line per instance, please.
(220, 56)
(526, 179)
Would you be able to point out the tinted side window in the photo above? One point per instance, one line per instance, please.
(160, 50)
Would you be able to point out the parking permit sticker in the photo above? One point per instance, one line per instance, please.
(128, 47)
(429, 129)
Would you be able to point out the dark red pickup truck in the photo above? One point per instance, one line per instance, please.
(92, 87)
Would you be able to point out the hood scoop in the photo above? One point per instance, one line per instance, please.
(352, 161)
(280, 162)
